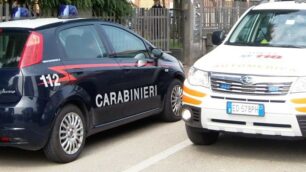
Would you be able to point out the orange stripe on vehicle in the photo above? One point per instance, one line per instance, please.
(193, 92)
(301, 109)
(299, 101)
(190, 100)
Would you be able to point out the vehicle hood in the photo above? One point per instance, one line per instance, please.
(255, 60)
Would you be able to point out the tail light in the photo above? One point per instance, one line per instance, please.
(5, 139)
(33, 50)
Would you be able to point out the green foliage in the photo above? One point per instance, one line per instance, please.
(111, 7)
(114, 7)
(56, 3)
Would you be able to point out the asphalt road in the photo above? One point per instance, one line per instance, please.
(154, 146)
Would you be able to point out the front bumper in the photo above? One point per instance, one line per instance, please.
(209, 112)
(25, 125)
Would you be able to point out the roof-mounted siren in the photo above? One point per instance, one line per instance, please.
(20, 13)
(68, 11)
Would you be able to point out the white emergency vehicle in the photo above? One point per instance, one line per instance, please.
(254, 82)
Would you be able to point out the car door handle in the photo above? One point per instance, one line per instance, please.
(79, 73)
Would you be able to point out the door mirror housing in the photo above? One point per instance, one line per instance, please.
(140, 56)
(218, 37)
(157, 53)
(142, 63)
(141, 60)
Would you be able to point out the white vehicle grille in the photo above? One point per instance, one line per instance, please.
(250, 84)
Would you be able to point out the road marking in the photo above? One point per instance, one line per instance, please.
(158, 157)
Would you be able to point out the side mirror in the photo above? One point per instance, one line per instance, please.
(218, 37)
(142, 62)
(157, 53)
(140, 56)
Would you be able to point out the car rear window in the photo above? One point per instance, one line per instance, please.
(11, 47)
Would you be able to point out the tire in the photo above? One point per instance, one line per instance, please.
(71, 117)
(173, 102)
(202, 137)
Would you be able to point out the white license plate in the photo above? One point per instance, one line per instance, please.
(245, 109)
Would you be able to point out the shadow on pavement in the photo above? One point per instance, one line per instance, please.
(13, 157)
(122, 131)
(227, 146)
(257, 148)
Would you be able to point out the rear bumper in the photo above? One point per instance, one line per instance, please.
(281, 118)
(27, 124)
(22, 138)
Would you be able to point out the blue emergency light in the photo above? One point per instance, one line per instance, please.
(20, 12)
(66, 11)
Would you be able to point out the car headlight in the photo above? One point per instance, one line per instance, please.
(299, 86)
(198, 77)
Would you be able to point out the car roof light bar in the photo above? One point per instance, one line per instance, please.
(68, 11)
(20, 13)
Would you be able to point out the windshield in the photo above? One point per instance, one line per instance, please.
(271, 28)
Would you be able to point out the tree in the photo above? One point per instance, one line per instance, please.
(115, 7)
(112, 7)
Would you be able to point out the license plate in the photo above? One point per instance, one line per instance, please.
(245, 109)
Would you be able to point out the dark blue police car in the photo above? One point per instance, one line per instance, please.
(65, 79)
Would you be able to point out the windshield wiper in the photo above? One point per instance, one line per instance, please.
(265, 45)
(240, 44)
(287, 46)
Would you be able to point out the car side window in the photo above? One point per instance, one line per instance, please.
(82, 42)
(125, 44)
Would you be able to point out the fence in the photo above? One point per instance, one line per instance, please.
(4, 12)
(165, 28)
(153, 24)
(162, 27)
(223, 16)
(33, 9)
(158, 25)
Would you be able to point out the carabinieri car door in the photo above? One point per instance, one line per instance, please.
(90, 70)
(140, 78)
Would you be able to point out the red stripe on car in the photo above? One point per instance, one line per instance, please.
(69, 77)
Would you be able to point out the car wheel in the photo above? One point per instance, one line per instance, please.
(173, 102)
(68, 136)
(202, 137)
